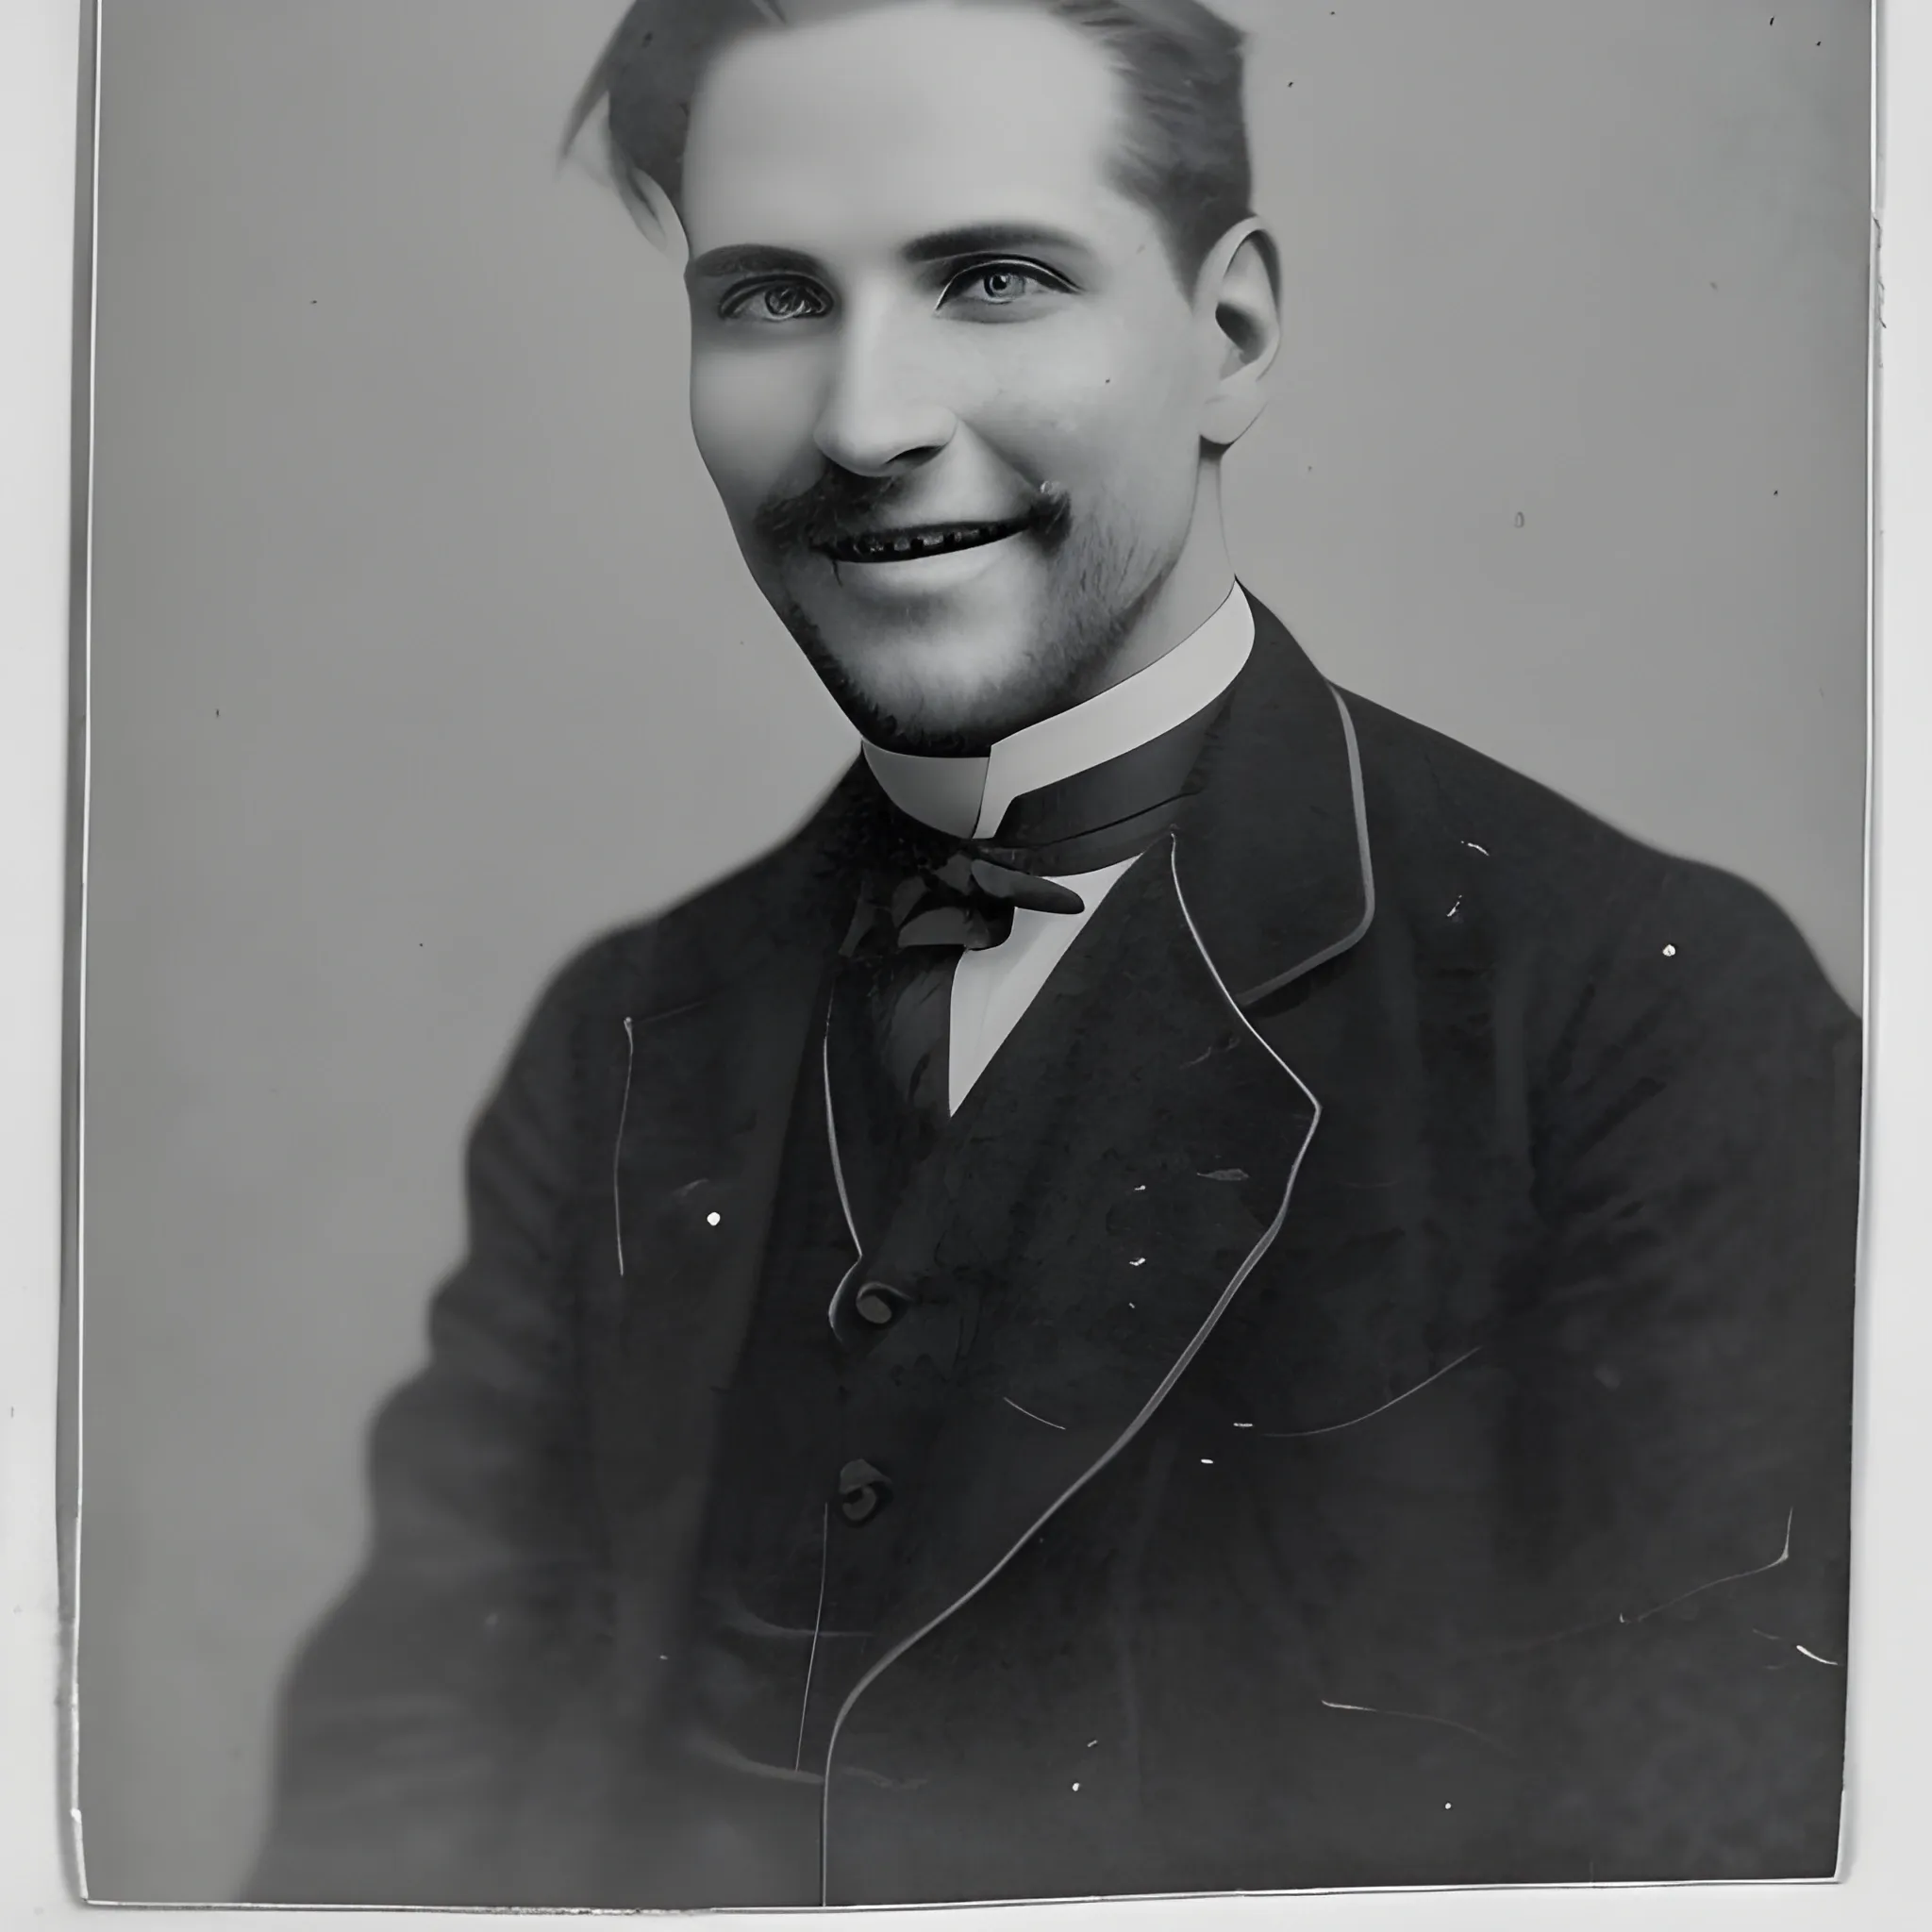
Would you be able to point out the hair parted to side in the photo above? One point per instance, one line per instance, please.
(1185, 152)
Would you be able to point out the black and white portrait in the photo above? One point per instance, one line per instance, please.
(974, 935)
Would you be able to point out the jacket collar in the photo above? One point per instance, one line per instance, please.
(1274, 854)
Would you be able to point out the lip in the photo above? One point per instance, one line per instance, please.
(912, 542)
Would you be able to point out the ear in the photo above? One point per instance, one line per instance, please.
(1238, 298)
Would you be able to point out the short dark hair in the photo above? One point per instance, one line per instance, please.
(1186, 155)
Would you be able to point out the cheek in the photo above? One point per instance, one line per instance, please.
(750, 419)
(1112, 415)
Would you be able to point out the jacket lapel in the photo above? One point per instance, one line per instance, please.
(693, 1177)
(700, 1054)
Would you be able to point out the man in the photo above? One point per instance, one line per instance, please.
(1192, 1288)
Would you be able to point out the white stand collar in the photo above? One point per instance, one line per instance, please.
(968, 796)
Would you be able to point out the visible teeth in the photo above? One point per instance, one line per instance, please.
(884, 544)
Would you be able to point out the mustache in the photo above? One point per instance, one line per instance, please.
(839, 505)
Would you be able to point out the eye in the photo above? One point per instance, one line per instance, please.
(776, 300)
(1002, 285)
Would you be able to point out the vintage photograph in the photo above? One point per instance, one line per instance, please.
(975, 937)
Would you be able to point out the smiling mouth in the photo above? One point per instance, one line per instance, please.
(921, 540)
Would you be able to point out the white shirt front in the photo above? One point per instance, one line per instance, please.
(968, 796)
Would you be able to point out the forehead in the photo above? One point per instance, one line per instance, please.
(882, 123)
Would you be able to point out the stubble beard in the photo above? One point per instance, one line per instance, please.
(1101, 583)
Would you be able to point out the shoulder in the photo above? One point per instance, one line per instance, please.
(779, 906)
(1580, 925)
(1541, 860)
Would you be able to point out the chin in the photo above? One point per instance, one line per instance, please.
(950, 667)
(957, 693)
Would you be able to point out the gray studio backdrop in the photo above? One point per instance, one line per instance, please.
(421, 652)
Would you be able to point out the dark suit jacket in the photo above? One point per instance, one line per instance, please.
(1425, 1218)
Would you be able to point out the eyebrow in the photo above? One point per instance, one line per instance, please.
(994, 238)
(947, 244)
(755, 257)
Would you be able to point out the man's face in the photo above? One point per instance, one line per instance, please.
(943, 375)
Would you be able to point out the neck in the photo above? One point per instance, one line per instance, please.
(1188, 596)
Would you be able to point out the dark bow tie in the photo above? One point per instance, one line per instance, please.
(968, 899)
(927, 890)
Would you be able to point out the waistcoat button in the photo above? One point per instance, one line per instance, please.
(878, 1304)
(863, 1491)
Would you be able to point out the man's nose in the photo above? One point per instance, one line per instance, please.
(882, 414)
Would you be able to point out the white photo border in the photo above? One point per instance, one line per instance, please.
(45, 180)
